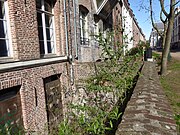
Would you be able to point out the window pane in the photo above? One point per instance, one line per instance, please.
(50, 46)
(39, 19)
(41, 47)
(49, 33)
(48, 7)
(3, 48)
(48, 20)
(38, 4)
(2, 10)
(99, 2)
(40, 33)
(2, 32)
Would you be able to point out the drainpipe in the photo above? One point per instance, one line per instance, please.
(65, 28)
(70, 54)
(75, 29)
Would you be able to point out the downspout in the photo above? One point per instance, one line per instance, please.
(67, 43)
(65, 28)
(71, 59)
(75, 30)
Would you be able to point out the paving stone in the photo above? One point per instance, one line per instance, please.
(148, 111)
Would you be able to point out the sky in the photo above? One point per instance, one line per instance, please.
(143, 16)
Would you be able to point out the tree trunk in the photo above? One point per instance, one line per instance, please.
(166, 48)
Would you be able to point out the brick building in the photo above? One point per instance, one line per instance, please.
(175, 41)
(34, 61)
(137, 33)
(131, 30)
(97, 17)
(155, 38)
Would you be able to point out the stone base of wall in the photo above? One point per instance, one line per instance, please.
(89, 54)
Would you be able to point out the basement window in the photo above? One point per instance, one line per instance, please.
(45, 19)
(11, 111)
(4, 30)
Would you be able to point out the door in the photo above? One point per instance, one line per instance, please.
(53, 103)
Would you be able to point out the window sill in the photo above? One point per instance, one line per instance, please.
(18, 65)
(49, 55)
(6, 60)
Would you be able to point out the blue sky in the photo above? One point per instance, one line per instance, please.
(143, 16)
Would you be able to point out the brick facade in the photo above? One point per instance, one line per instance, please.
(105, 22)
(24, 32)
(31, 79)
(117, 24)
(136, 34)
(26, 49)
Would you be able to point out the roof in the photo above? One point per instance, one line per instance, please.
(106, 7)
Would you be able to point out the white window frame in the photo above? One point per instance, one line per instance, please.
(6, 25)
(52, 29)
(96, 33)
(84, 27)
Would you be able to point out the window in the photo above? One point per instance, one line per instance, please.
(4, 33)
(99, 2)
(96, 32)
(83, 27)
(179, 32)
(45, 18)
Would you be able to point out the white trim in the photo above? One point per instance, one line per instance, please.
(20, 64)
(54, 32)
(95, 4)
(101, 6)
(84, 26)
(44, 27)
(8, 30)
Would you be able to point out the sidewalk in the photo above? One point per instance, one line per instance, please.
(148, 111)
(174, 54)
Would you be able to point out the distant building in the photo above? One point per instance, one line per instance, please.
(155, 38)
(132, 33)
(137, 33)
(127, 15)
(175, 40)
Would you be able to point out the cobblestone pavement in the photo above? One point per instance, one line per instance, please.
(148, 111)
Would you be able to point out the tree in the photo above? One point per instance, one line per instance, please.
(168, 27)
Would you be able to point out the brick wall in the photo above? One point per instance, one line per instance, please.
(31, 80)
(136, 34)
(25, 44)
(83, 70)
(24, 29)
(117, 23)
